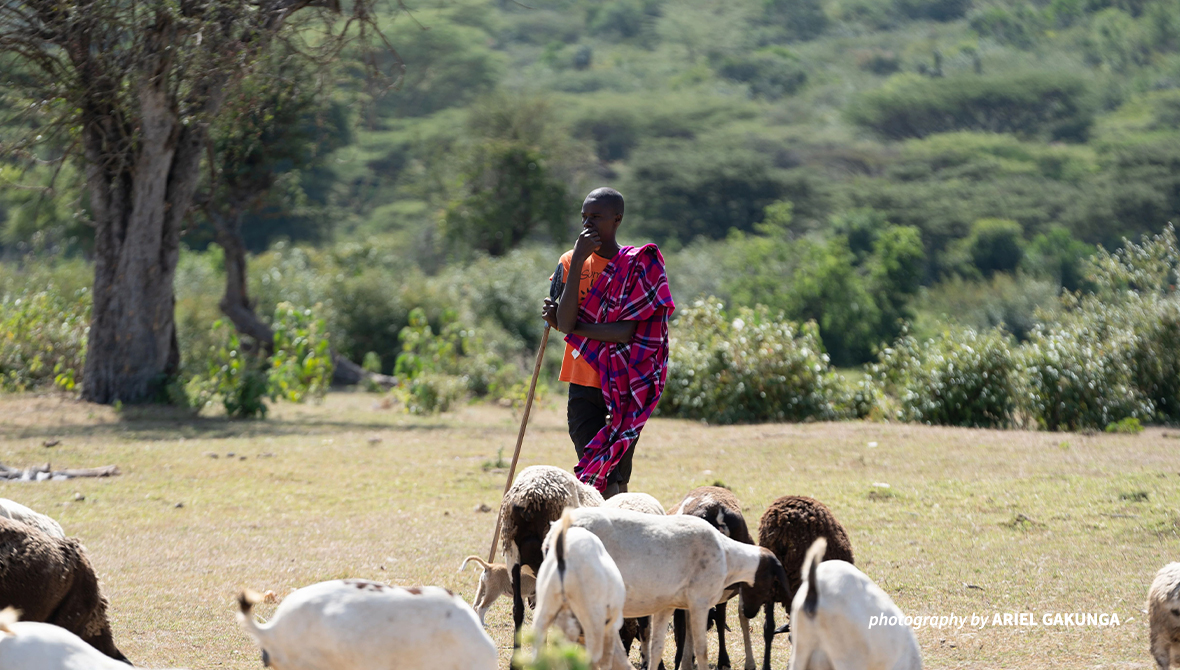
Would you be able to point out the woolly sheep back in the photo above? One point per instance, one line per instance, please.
(50, 580)
(789, 527)
(534, 501)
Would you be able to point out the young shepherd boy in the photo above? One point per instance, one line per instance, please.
(616, 358)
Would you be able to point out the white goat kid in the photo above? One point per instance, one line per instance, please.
(677, 562)
(833, 621)
(354, 624)
(579, 579)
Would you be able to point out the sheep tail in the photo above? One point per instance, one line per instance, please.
(246, 601)
(477, 560)
(814, 555)
(559, 544)
(8, 616)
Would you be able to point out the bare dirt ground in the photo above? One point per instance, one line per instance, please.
(948, 521)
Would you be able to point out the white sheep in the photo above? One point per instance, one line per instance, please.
(495, 581)
(636, 629)
(534, 502)
(578, 579)
(677, 562)
(31, 645)
(355, 624)
(1163, 611)
(836, 621)
(11, 509)
(636, 502)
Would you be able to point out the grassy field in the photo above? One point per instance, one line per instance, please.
(970, 522)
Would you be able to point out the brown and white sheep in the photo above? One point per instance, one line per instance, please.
(533, 503)
(1163, 612)
(721, 508)
(50, 580)
(790, 525)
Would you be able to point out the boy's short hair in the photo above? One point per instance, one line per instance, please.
(608, 196)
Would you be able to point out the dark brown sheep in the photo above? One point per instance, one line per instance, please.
(790, 525)
(50, 580)
(721, 508)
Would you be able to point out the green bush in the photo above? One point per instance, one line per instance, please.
(1042, 104)
(749, 368)
(688, 189)
(243, 377)
(1079, 375)
(993, 245)
(1021, 26)
(960, 378)
(771, 73)
(797, 19)
(43, 334)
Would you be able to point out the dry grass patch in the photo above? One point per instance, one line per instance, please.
(971, 522)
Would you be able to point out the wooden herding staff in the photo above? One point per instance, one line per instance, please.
(555, 289)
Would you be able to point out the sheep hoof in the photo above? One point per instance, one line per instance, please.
(785, 628)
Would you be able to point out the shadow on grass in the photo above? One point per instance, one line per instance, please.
(161, 422)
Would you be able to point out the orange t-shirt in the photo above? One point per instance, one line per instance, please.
(573, 368)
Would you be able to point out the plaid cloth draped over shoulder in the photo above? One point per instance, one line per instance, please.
(632, 287)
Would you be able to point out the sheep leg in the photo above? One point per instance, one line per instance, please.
(718, 615)
(517, 606)
(643, 634)
(767, 634)
(698, 626)
(542, 619)
(659, 636)
(678, 635)
(751, 664)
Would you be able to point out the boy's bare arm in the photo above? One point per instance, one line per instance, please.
(619, 332)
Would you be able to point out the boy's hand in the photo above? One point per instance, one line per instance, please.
(549, 312)
(588, 242)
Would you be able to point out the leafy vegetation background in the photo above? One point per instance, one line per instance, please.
(855, 164)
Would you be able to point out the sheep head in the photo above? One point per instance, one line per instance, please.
(770, 585)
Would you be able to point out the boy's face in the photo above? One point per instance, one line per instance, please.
(602, 218)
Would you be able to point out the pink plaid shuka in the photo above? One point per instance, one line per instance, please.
(632, 287)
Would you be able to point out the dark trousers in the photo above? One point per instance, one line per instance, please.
(586, 413)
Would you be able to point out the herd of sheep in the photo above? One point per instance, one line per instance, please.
(605, 572)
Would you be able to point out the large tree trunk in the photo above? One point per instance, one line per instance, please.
(138, 210)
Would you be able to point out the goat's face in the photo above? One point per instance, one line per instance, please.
(770, 584)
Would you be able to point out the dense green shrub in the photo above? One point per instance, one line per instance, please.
(771, 73)
(1059, 256)
(687, 189)
(748, 368)
(959, 378)
(1079, 375)
(43, 335)
(797, 19)
(1042, 104)
(1014, 302)
(243, 377)
(1021, 26)
(993, 245)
